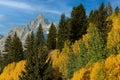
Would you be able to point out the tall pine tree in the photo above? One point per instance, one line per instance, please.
(51, 40)
(78, 22)
(30, 62)
(37, 67)
(17, 48)
(8, 49)
(102, 15)
(14, 49)
(117, 10)
(109, 9)
(63, 31)
(43, 68)
(39, 39)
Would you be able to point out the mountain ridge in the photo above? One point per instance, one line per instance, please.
(23, 31)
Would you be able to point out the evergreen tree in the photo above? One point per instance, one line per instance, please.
(8, 49)
(14, 49)
(67, 29)
(30, 59)
(39, 39)
(100, 21)
(5, 59)
(102, 15)
(17, 48)
(51, 41)
(43, 68)
(63, 31)
(8, 44)
(91, 16)
(117, 10)
(78, 22)
(109, 9)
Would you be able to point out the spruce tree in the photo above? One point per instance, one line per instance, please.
(8, 49)
(109, 9)
(91, 16)
(5, 59)
(17, 48)
(14, 49)
(39, 39)
(8, 44)
(78, 22)
(61, 36)
(63, 31)
(51, 41)
(102, 15)
(100, 20)
(43, 68)
(29, 52)
(117, 10)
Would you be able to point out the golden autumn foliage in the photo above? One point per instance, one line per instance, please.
(78, 75)
(60, 60)
(104, 70)
(12, 71)
(114, 35)
(76, 47)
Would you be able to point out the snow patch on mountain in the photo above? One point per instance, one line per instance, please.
(23, 31)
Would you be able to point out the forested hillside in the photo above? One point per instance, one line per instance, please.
(81, 48)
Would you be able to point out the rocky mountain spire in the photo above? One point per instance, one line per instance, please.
(23, 31)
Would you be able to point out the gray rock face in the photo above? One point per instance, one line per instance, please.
(23, 31)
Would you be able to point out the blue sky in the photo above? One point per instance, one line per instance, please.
(21, 12)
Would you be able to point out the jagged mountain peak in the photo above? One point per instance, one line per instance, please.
(40, 19)
(40, 16)
(23, 31)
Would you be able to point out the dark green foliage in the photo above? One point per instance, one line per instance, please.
(93, 17)
(117, 10)
(96, 47)
(63, 31)
(77, 61)
(39, 39)
(43, 68)
(8, 44)
(30, 60)
(78, 22)
(8, 50)
(5, 58)
(109, 9)
(17, 48)
(102, 15)
(36, 66)
(98, 17)
(51, 41)
(14, 49)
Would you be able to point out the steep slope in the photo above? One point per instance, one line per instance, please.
(23, 31)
